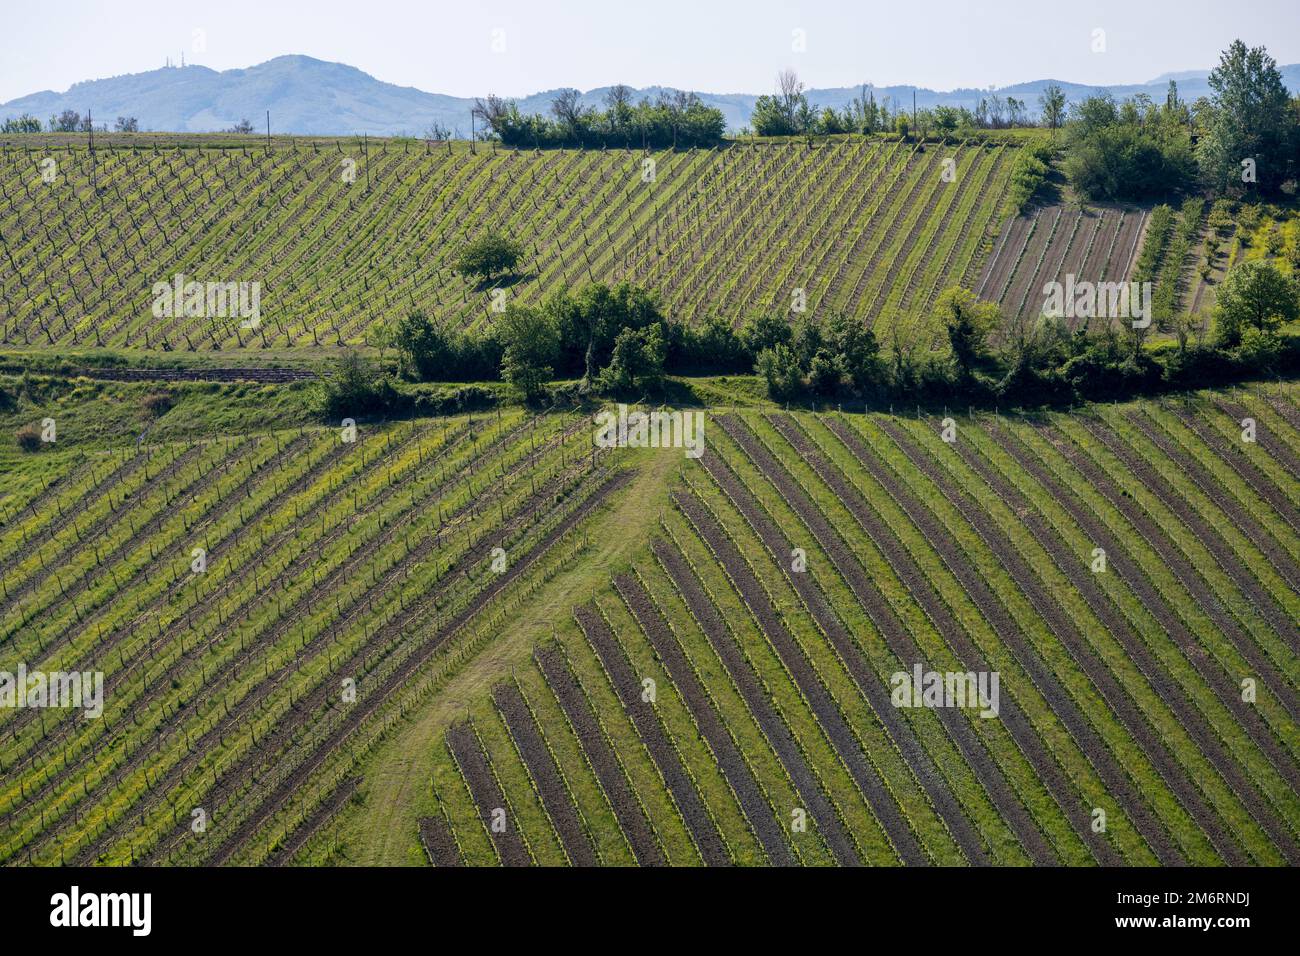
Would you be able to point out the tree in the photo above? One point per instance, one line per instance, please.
(946, 119)
(590, 322)
(780, 369)
(1254, 295)
(637, 363)
(66, 122)
(127, 124)
(902, 127)
(568, 111)
(968, 322)
(242, 128)
(438, 132)
(1125, 150)
(425, 351)
(790, 92)
(618, 108)
(786, 112)
(1251, 119)
(488, 255)
(532, 345)
(853, 343)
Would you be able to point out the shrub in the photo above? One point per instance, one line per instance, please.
(1259, 350)
(355, 388)
(158, 404)
(28, 438)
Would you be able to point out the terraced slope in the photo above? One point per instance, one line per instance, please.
(340, 240)
(1130, 573)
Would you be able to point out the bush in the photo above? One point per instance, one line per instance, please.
(158, 404)
(1027, 177)
(1259, 351)
(29, 438)
(355, 388)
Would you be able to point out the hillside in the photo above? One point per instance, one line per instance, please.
(340, 236)
(479, 639)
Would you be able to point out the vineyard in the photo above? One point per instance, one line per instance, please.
(262, 607)
(342, 237)
(1093, 244)
(1132, 573)
(859, 636)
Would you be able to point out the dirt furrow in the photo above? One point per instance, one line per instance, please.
(865, 775)
(759, 703)
(559, 806)
(1236, 459)
(1176, 560)
(872, 688)
(1075, 808)
(284, 854)
(627, 686)
(1210, 668)
(1279, 559)
(1117, 782)
(439, 843)
(748, 793)
(600, 755)
(421, 653)
(890, 626)
(477, 772)
(1192, 720)
(1120, 703)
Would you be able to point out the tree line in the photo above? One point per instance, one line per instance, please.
(69, 121)
(674, 119)
(787, 112)
(617, 342)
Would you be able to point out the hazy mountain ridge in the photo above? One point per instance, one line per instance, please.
(313, 97)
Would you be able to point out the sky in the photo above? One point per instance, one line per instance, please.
(469, 48)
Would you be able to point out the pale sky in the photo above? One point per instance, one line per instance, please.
(718, 46)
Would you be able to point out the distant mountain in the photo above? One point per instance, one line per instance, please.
(312, 97)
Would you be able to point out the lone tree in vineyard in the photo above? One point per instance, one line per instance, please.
(488, 256)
